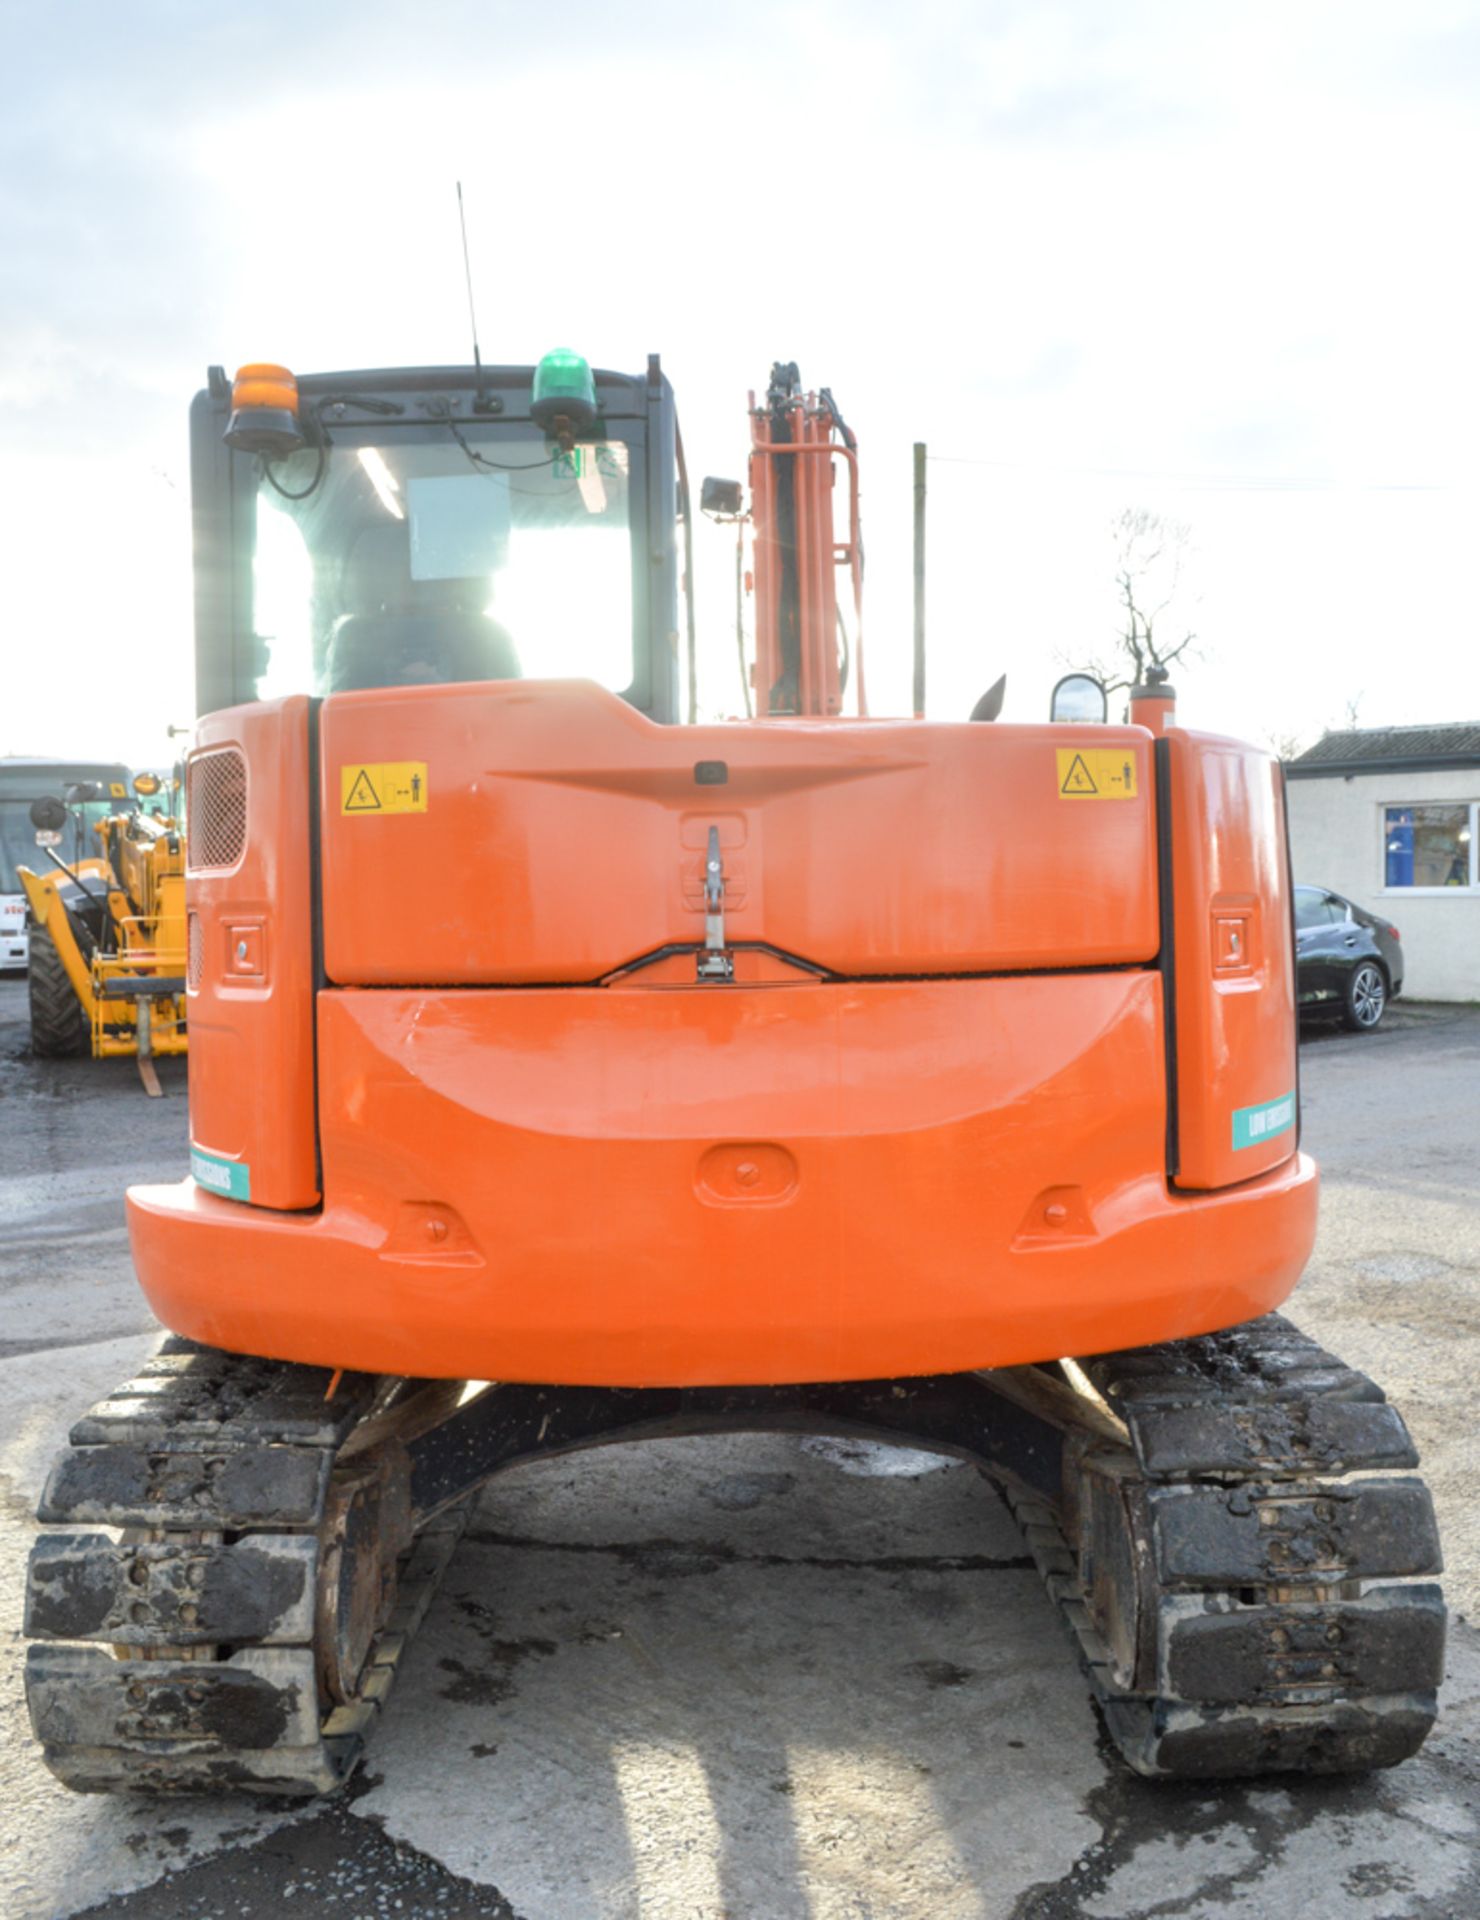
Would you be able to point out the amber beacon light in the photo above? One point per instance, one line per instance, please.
(264, 412)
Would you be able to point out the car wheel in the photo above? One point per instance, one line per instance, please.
(1366, 997)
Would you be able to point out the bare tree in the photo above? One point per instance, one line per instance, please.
(1284, 744)
(1150, 551)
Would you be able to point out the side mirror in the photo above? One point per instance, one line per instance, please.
(723, 498)
(48, 814)
(83, 792)
(1079, 696)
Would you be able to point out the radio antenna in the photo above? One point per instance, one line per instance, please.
(480, 399)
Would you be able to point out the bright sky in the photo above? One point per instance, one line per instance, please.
(1214, 261)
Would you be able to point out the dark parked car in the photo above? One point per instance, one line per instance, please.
(1347, 961)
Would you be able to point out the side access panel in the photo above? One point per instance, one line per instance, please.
(249, 970)
(1234, 962)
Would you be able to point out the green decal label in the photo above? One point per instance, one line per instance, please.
(1254, 1125)
(230, 1178)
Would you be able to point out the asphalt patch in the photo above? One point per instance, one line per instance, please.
(335, 1866)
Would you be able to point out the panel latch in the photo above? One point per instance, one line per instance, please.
(716, 961)
(1233, 949)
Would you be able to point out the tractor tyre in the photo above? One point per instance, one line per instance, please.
(59, 1027)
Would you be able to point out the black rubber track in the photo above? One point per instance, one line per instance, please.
(1229, 1526)
(206, 1670)
(1249, 1575)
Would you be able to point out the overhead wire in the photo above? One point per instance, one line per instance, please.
(1206, 482)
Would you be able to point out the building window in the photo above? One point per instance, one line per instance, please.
(1431, 848)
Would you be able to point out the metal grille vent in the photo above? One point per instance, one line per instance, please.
(216, 809)
(194, 956)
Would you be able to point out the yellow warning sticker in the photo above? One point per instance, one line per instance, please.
(117, 790)
(1096, 773)
(386, 786)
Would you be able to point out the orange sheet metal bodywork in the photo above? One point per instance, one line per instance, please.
(1235, 986)
(652, 1181)
(564, 836)
(753, 1184)
(249, 984)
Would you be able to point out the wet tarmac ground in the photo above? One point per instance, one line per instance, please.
(756, 1677)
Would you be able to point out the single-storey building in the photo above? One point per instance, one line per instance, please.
(1388, 817)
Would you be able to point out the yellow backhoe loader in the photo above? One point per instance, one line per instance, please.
(106, 961)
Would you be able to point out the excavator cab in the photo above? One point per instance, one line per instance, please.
(561, 1074)
(424, 527)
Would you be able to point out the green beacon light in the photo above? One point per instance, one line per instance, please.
(563, 398)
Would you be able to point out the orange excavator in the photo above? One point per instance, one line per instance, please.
(561, 1074)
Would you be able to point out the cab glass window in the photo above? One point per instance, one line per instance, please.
(18, 843)
(429, 554)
